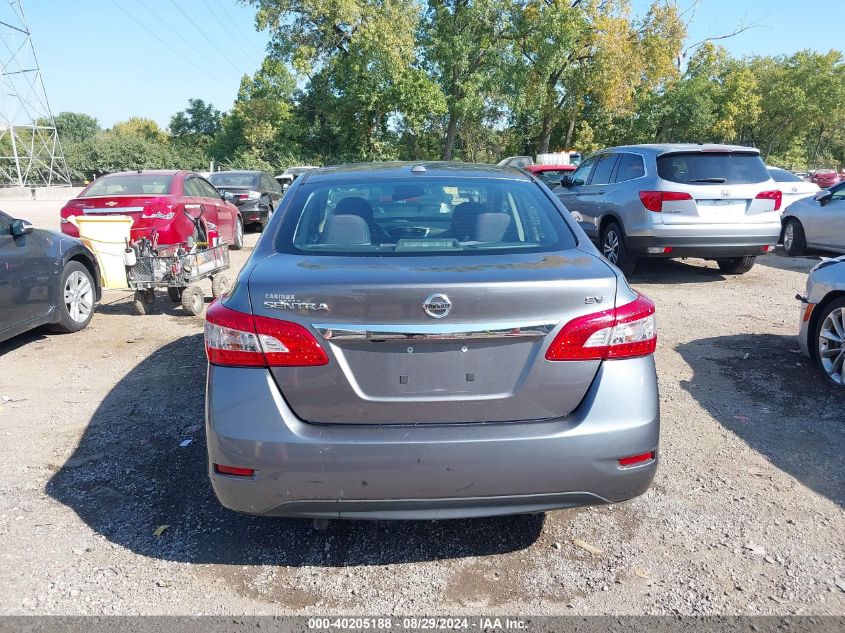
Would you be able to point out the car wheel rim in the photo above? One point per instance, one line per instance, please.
(788, 236)
(831, 350)
(79, 297)
(611, 247)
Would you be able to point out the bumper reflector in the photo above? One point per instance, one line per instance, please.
(660, 249)
(233, 470)
(636, 460)
(768, 249)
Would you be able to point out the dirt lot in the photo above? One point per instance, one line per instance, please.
(745, 515)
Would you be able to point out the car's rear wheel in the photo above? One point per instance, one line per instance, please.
(238, 243)
(794, 241)
(193, 301)
(830, 341)
(615, 250)
(76, 306)
(736, 265)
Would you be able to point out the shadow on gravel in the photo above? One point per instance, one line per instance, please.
(129, 476)
(674, 271)
(776, 401)
(780, 261)
(31, 337)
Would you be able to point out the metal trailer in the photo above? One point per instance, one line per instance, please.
(180, 274)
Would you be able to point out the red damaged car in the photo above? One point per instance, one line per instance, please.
(825, 178)
(162, 203)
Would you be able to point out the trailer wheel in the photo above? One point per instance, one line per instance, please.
(175, 294)
(143, 301)
(193, 301)
(219, 286)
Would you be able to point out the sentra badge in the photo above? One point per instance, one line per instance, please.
(276, 301)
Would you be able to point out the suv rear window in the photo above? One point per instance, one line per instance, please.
(129, 184)
(396, 217)
(781, 175)
(701, 168)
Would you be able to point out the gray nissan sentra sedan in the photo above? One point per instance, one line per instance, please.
(425, 341)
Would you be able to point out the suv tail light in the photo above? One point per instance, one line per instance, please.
(624, 332)
(775, 195)
(653, 200)
(237, 339)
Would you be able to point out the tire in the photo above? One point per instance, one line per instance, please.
(144, 301)
(794, 241)
(615, 250)
(219, 286)
(193, 301)
(736, 265)
(76, 305)
(829, 353)
(175, 294)
(238, 244)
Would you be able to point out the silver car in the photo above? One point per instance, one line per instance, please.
(817, 222)
(428, 341)
(710, 201)
(822, 324)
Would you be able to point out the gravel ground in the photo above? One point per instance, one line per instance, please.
(745, 515)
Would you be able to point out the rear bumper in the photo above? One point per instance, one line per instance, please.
(433, 471)
(706, 241)
(252, 211)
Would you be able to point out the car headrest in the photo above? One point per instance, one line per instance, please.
(346, 229)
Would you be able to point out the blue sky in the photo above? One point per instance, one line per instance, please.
(96, 59)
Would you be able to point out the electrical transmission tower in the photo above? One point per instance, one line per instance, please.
(30, 151)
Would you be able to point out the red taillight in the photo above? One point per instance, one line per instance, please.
(635, 460)
(237, 339)
(624, 332)
(653, 200)
(220, 469)
(775, 195)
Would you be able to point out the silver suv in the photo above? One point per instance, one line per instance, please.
(709, 201)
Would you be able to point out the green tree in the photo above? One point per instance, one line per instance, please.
(140, 127)
(76, 126)
(199, 119)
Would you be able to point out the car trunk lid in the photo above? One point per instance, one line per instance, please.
(392, 363)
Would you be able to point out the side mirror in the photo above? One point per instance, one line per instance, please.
(228, 196)
(21, 227)
(823, 197)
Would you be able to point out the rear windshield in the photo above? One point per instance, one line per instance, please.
(701, 168)
(395, 217)
(224, 179)
(781, 175)
(553, 176)
(130, 184)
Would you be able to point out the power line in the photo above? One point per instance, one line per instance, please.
(226, 32)
(168, 46)
(231, 19)
(204, 36)
(164, 23)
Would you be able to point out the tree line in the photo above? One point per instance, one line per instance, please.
(477, 80)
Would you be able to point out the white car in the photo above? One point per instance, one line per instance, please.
(792, 186)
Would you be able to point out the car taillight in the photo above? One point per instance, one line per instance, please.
(653, 200)
(624, 332)
(237, 339)
(153, 212)
(775, 195)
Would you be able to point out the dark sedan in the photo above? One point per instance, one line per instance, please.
(46, 278)
(255, 193)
